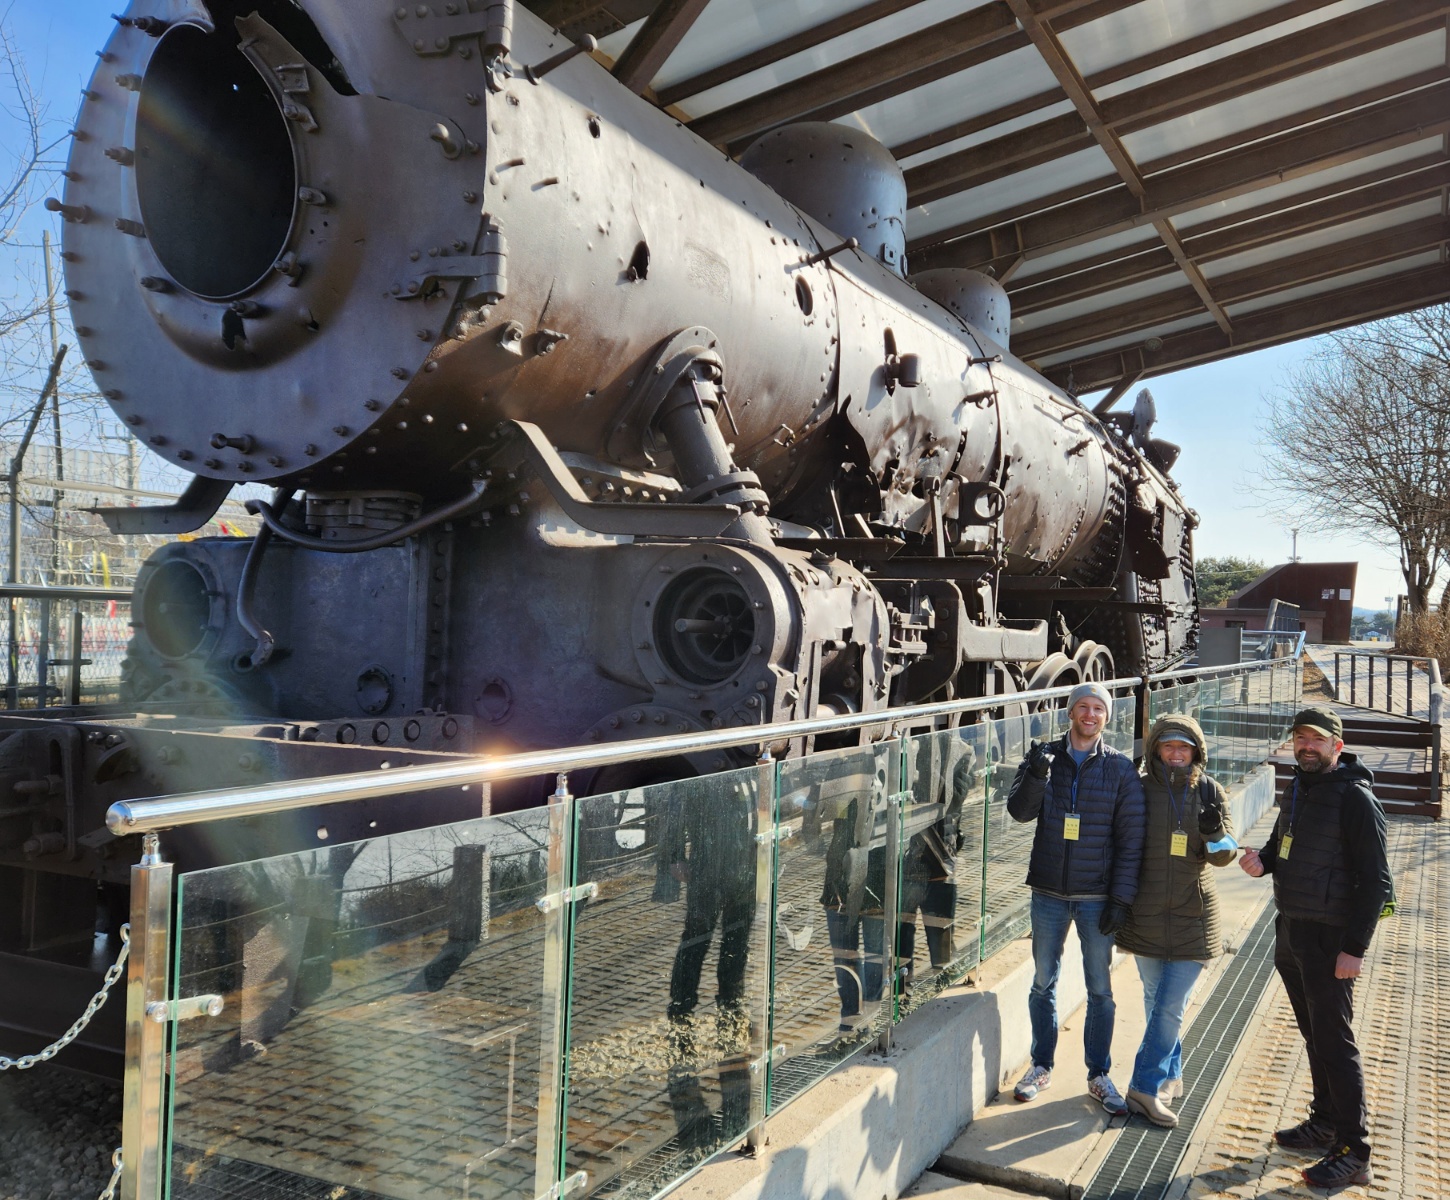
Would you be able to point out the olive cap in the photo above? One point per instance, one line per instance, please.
(1321, 720)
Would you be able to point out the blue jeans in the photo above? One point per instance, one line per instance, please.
(858, 977)
(1050, 919)
(1166, 987)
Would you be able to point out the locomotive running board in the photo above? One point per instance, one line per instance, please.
(193, 509)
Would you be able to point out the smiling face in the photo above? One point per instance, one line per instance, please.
(1086, 720)
(1315, 750)
(1177, 755)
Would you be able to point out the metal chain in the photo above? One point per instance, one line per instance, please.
(113, 973)
(110, 1192)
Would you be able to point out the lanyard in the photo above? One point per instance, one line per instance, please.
(1077, 770)
(1180, 804)
(1293, 804)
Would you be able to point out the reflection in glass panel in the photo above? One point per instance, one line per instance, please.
(381, 1033)
(1009, 843)
(668, 981)
(829, 920)
(943, 827)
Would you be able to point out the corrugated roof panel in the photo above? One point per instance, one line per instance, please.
(1128, 339)
(827, 54)
(724, 32)
(1190, 61)
(1291, 96)
(1072, 170)
(986, 135)
(1345, 232)
(981, 89)
(1092, 305)
(1339, 282)
(1130, 241)
(1186, 222)
(1142, 28)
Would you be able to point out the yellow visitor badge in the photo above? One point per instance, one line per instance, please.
(1179, 845)
(1071, 824)
(1284, 843)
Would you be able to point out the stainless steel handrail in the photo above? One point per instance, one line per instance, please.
(1225, 669)
(38, 591)
(156, 813)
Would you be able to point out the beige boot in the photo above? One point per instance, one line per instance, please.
(1151, 1107)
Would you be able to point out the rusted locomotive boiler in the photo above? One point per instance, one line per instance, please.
(579, 429)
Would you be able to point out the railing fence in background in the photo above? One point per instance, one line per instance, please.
(1401, 685)
(64, 645)
(595, 996)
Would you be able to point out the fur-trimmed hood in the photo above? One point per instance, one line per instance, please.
(1175, 723)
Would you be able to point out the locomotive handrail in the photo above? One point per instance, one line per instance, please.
(155, 813)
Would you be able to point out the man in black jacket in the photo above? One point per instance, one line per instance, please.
(1331, 883)
(1087, 800)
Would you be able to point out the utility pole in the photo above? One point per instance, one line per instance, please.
(56, 495)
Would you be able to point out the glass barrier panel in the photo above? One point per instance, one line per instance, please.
(1122, 728)
(1007, 904)
(668, 979)
(829, 912)
(943, 829)
(381, 1033)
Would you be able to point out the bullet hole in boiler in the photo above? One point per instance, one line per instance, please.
(638, 263)
(594, 127)
(803, 296)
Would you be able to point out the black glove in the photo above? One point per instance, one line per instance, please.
(1210, 816)
(1113, 917)
(1039, 760)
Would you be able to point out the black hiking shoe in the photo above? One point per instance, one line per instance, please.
(1339, 1169)
(1307, 1135)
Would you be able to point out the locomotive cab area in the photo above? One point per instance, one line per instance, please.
(578, 431)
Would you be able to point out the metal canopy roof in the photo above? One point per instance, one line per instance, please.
(1158, 182)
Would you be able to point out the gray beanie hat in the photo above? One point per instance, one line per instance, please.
(1094, 690)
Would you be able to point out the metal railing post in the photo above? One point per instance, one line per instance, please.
(1353, 679)
(554, 1012)
(891, 902)
(1336, 674)
(767, 815)
(77, 633)
(42, 658)
(1369, 666)
(143, 1128)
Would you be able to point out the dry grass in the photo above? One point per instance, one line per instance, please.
(1425, 635)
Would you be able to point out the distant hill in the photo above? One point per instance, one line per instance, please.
(1366, 612)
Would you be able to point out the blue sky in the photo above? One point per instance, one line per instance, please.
(1212, 411)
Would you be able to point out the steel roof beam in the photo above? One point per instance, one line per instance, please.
(1230, 78)
(656, 40)
(1081, 96)
(1251, 283)
(805, 40)
(1270, 327)
(844, 80)
(1346, 201)
(1378, 127)
(1245, 27)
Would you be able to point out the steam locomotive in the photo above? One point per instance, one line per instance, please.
(579, 430)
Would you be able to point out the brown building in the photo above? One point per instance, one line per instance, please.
(1323, 592)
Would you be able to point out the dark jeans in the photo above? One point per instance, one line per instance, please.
(733, 909)
(936, 899)
(1304, 956)
(858, 974)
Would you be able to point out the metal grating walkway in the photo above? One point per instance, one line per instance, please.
(1143, 1162)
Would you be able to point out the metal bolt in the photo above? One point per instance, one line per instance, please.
(155, 283)
(310, 450)
(341, 430)
(132, 228)
(311, 196)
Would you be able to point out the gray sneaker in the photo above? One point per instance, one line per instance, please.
(1104, 1091)
(1036, 1080)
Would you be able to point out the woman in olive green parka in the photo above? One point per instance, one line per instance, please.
(1174, 928)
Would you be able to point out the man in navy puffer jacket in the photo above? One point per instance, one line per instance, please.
(1087, 800)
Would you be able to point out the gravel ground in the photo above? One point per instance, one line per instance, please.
(57, 1132)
